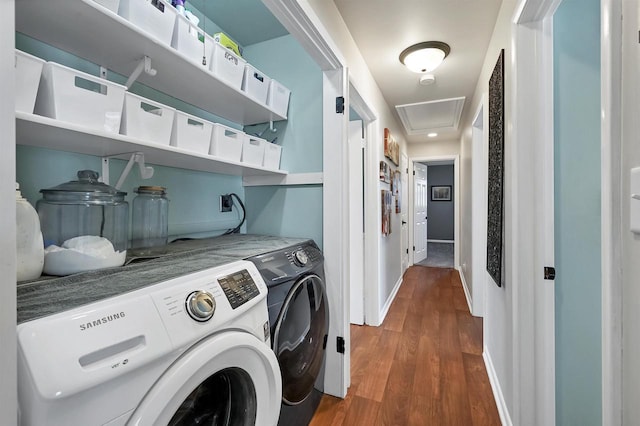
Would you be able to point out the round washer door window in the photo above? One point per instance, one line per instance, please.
(300, 338)
(229, 379)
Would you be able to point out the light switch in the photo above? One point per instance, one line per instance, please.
(634, 210)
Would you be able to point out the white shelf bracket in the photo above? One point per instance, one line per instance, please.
(143, 65)
(146, 172)
(273, 129)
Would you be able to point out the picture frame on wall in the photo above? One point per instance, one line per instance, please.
(384, 172)
(495, 179)
(441, 193)
(391, 147)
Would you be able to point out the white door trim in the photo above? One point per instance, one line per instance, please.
(611, 98)
(372, 140)
(335, 235)
(300, 20)
(8, 354)
(479, 141)
(356, 222)
(456, 207)
(532, 212)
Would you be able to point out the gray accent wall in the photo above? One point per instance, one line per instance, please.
(440, 213)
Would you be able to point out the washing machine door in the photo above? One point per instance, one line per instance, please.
(231, 378)
(299, 339)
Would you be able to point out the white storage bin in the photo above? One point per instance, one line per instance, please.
(186, 40)
(155, 17)
(272, 153)
(147, 120)
(28, 71)
(191, 133)
(255, 84)
(278, 98)
(253, 150)
(112, 5)
(227, 66)
(226, 142)
(73, 96)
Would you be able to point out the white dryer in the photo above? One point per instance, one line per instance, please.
(191, 350)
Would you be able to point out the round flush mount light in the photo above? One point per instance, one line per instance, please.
(424, 57)
(427, 79)
(432, 135)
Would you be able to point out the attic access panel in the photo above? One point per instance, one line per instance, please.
(425, 117)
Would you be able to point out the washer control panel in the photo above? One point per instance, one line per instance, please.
(239, 288)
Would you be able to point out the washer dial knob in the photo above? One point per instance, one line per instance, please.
(201, 305)
(300, 257)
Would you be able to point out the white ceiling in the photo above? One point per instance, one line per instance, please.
(383, 28)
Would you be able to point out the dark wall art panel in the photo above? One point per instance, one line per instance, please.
(496, 171)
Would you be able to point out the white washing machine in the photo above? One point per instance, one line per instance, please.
(191, 350)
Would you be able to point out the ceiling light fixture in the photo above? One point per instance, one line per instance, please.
(424, 57)
(432, 135)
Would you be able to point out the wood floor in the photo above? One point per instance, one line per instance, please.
(422, 366)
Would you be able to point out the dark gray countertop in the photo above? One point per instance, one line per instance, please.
(50, 295)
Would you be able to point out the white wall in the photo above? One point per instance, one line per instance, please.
(389, 247)
(631, 242)
(437, 148)
(8, 398)
(498, 319)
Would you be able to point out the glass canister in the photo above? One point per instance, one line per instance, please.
(150, 222)
(84, 207)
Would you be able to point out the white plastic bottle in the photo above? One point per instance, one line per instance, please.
(29, 244)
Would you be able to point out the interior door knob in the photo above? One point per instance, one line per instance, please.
(404, 223)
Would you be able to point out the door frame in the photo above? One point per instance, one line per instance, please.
(8, 355)
(612, 227)
(479, 169)
(371, 241)
(456, 198)
(299, 18)
(533, 307)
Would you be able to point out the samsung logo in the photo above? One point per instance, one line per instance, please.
(101, 321)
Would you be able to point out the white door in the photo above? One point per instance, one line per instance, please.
(335, 236)
(356, 223)
(420, 212)
(404, 208)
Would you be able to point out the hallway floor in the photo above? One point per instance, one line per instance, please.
(422, 366)
(439, 255)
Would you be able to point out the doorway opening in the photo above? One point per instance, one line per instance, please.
(434, 203)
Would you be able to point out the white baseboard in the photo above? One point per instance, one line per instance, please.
(441, 241)
(503, 410)
(390, 299)
(467, 294)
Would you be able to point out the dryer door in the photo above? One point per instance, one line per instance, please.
(231, 378)
(299, 339)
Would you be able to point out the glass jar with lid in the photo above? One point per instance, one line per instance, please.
(150, 217)
(84, 207)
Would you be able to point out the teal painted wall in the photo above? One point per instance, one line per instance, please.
(194, 207)
(290, 211)
(577, 212)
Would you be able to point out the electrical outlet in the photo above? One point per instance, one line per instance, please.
(225, 203)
